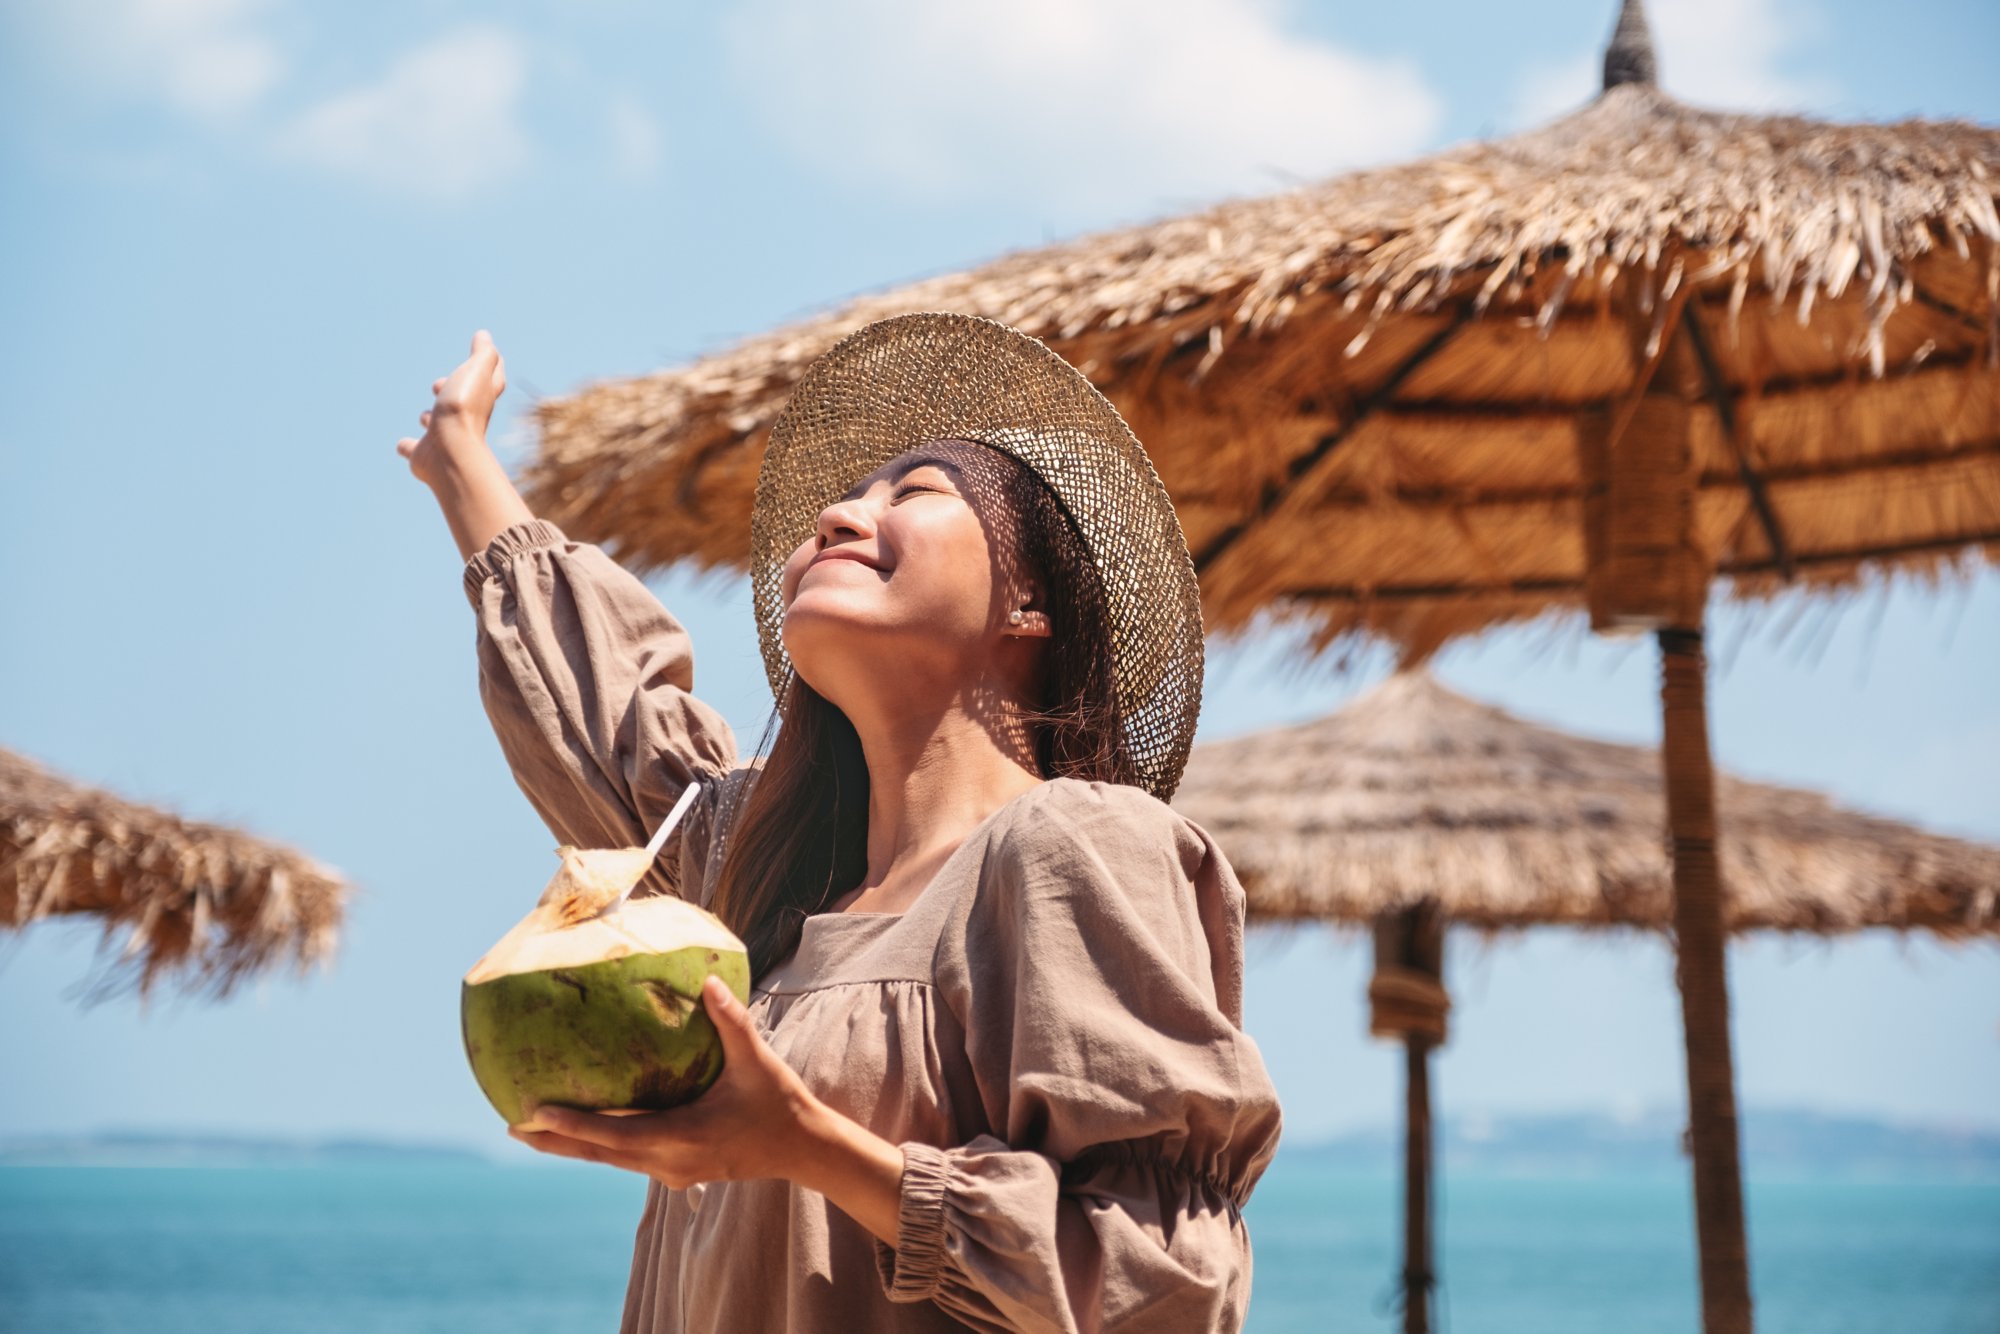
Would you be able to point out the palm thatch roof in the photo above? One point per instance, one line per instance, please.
(202, 903)
(1413, 793)
(1370, 397)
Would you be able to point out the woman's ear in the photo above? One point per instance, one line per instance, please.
(1028, 624)
(1028, 620)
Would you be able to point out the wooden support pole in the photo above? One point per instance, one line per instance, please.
(1648, 569)
(1419, 1275)
(1407, 1000)
(1702, 971)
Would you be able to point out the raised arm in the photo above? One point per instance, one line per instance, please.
(586, 678)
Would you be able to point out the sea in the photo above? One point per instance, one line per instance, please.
(431, 1248)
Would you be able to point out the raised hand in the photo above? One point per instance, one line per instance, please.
(477, 497)
(461, 410)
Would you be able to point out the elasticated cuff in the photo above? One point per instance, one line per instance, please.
(506, 544)
(910, 1269)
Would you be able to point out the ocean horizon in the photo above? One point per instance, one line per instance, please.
(430, 1246)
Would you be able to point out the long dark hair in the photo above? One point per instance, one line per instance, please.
(800, 837)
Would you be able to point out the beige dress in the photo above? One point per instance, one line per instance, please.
(1052, 1032)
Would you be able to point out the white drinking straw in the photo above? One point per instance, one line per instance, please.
(659, 839)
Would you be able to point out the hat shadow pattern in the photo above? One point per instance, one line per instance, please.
(916, 379)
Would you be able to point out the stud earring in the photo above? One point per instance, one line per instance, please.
(1015, 617)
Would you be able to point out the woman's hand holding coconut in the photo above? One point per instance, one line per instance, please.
(758, 1120)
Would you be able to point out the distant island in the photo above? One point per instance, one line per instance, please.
(141, 1148)
(1776, 1142)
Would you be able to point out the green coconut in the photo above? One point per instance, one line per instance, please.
(593, 1000)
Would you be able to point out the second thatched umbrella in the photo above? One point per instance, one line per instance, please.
(1414, 808)
(205, 905)
(1413, 794)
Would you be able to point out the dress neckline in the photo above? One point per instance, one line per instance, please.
(970, 837)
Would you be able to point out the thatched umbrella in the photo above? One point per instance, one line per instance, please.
(202, 903)
(1603, 366)
(1412, 794)
(1385, 403)
(1414, 808)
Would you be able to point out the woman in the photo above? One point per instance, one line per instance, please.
(992, 1071)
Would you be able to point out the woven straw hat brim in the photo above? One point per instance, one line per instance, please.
(913, 379)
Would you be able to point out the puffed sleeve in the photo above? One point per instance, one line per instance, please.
(587, 680)
(1099, 989)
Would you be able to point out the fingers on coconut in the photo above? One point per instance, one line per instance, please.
(612, 1132)
(540, 1117)
(731, 1019)
(559, 1120)
(564, 1146)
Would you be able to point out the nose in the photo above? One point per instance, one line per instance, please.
(842, 521)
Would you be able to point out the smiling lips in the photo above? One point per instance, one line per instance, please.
(842, 553)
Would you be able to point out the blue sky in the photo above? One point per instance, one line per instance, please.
(244, 235)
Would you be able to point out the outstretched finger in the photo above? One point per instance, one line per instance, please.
(437, 385)
(406, 446)
(424, 420)
(611, 1132)
(563, 1146)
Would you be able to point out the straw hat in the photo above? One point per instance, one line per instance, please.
(912, 379)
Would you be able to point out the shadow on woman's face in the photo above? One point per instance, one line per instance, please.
(912, 574)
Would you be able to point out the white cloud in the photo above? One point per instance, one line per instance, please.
(1106, 104)
(443, 121)
(635, 138)
(204, 57)
(1726, 54)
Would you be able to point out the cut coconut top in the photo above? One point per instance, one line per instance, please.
(553, 936)
(592, 879)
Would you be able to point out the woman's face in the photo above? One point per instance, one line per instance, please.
(917, 566)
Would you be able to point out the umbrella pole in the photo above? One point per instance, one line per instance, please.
(1407, 1000)
(1704, 986)
(1417, 1186)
